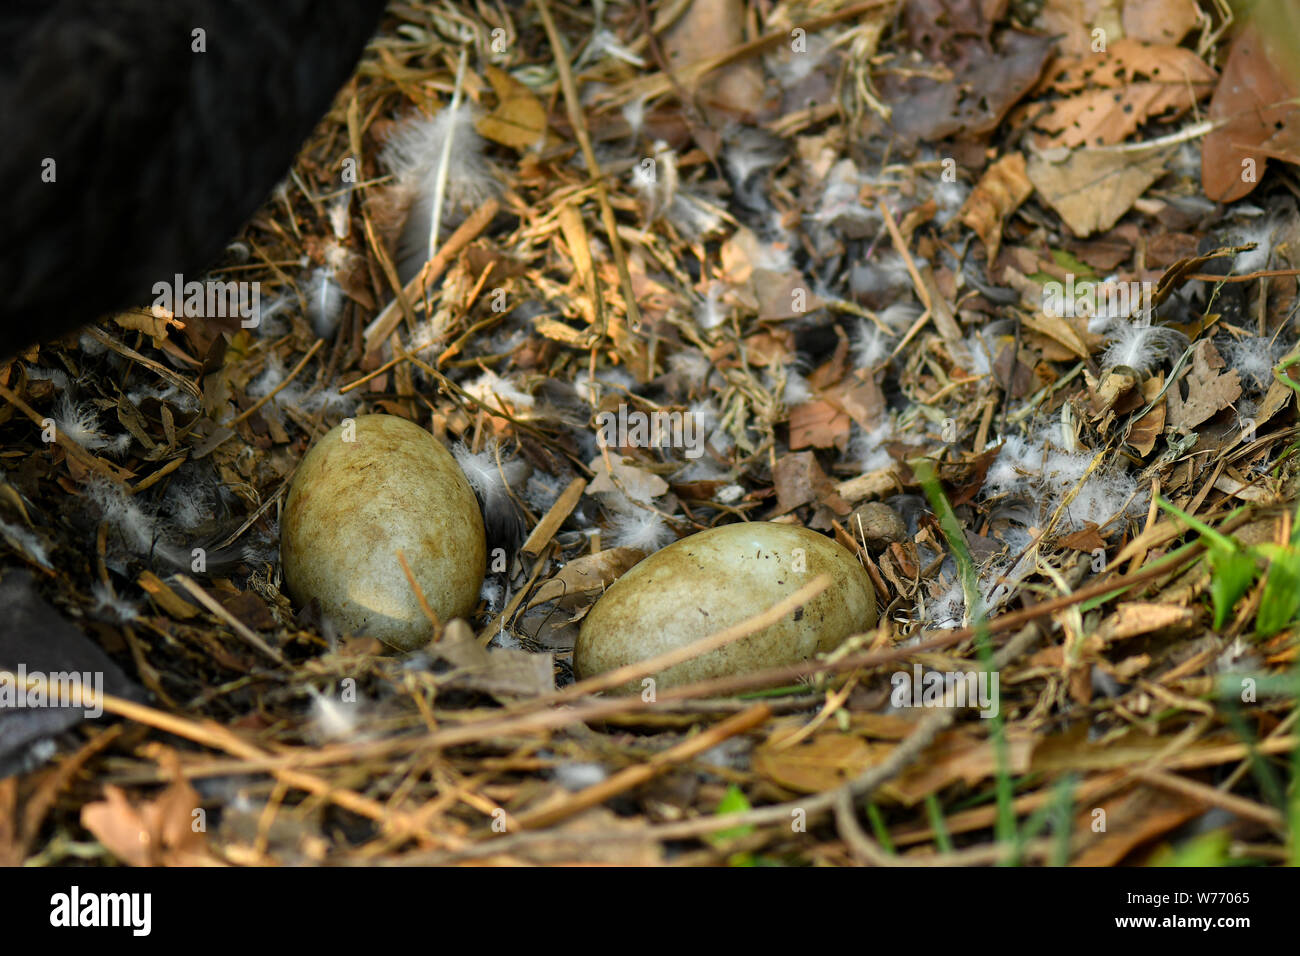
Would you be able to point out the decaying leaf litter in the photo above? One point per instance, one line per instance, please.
(883, 254)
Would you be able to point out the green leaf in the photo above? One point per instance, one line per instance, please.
(878, 827)
(1280, 602)
(935, 812)
(1211, 536)
(1211, 849)
(1293, 358)
(1232, 571)
(1069, 263)
(733, 802)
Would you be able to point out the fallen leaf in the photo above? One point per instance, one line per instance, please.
(1085, 539)
(1142, 434)
(960, 755)
(1159, 21)
(1130, 819)
(1123, 88)
(155, 323)
(1209, 390)
(1250, 97)
(626, 842)
(504, 671)
(1091, 189)
(858, 397)
(1073, 22)
(819, 763)
(586, 575)
(636, 482)
(829, 758)
(1238, 489)
(1059, 329)
(157, 832)
(985, 84)
(1000, 191)
(705, 29)
(818, 424)
(1140, 617)
(519, 120)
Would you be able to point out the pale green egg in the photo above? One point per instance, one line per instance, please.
(371, 487)
(709, 581)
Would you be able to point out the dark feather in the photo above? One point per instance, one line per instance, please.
(161, 153)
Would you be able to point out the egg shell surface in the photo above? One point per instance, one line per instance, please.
(353, 504)
(709, 581)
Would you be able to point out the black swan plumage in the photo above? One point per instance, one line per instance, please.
(128, 156)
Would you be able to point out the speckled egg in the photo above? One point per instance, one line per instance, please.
(373, 486)
(709, 581)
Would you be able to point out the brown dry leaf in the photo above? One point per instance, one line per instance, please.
(737, 255)
(1072, 22)
(1091, 189)
(1284, 145)
(960, 755)
(154, 324)
(153, 833)
(557, 331)
(983, 88)
(769, 348)
(117, 825)
(1238, 489)
(636, 482)
(818, 424)
(1072, 750)
(1085, 539)
(1105, 254)
(799, 479)
(1117, 384)
(1142, 434)
(859, 398)
(707, 28)
(1130, 819)
(628, 843)
(830, 758)
(1059, 329)
(1209, 390)
(879, 726)
(1123, 88)
(1250, 97)
(1139, 617)
(1127, 62)
(795, 476)
(1276, 398)
(11, 844)
(589, 574)
(1000, 191)
(782, 295)
(937, 27)
(821, 762)
(1159, 21)
(504, 671)
(519, 120)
